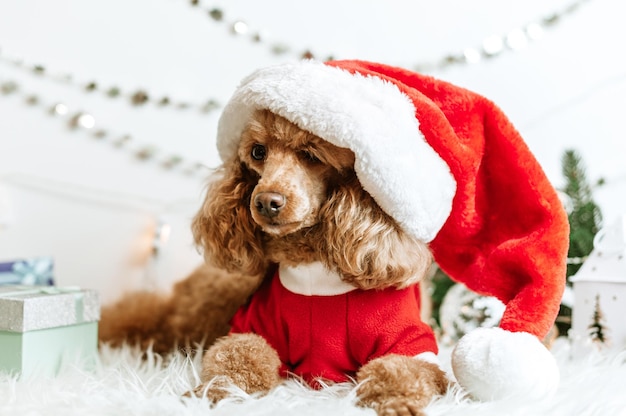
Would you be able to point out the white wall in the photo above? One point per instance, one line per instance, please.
(94, 207)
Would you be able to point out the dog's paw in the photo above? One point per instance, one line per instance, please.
(214, 391)
(399, 407)
(245, 361)
(395, 385)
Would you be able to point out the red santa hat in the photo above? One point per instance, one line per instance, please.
(451, 169)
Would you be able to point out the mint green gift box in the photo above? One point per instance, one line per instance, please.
(42, 327)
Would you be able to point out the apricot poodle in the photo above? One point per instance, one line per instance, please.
(287, 202)
(287, 223)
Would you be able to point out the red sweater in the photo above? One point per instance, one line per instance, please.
(331, 337)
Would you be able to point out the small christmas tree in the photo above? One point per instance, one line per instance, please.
(597, 329)
(441, 283)
(585, 220)
(585, 217)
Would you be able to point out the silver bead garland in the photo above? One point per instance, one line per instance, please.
(86, 122)
(491, 46)
(135, 98)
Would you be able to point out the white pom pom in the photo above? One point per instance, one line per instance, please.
(492, 364)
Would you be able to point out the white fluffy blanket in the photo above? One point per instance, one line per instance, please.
(125, 384)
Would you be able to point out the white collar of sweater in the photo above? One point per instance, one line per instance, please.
(313, 279)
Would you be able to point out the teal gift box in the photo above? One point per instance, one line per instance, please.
(42, 327)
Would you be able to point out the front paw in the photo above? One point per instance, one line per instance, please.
(395, 385)
(214, 390)
(245, 361)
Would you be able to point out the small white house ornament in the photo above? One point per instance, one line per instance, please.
(600, 293)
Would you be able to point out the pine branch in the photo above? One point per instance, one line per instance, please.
(585, 217)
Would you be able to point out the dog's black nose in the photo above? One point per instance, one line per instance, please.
(269, 204)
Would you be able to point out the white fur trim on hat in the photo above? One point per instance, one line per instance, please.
(494, 364)
(366, 114)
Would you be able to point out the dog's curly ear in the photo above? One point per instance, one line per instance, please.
(223, 227)
(366, 245)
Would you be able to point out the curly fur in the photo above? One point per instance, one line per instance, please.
(197, 312)
(244, 360)
(326, 217)
(399, 385)
(224, 224)
(343, 228)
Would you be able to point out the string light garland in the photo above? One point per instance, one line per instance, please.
(136, 98)
(162, 231)
(496, 45)
(100, 197)
(158, 210)
(86, 122)
(242, 29)
(491, 46)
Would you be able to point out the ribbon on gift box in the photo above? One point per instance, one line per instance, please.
(37, 271)
(24, 291)
(18, 290)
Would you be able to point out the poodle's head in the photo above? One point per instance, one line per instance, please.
(290, 197)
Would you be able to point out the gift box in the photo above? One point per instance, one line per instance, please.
(35, 271)
(43, 327)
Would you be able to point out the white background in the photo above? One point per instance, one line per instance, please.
(95, 207)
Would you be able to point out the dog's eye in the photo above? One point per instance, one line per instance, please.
(258, 152)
